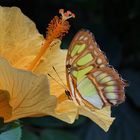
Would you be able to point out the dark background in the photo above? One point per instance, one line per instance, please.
(117, 30)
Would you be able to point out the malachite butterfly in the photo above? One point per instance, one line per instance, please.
(91, 80)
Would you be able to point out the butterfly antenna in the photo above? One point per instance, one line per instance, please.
(57, 82)
(59, 76)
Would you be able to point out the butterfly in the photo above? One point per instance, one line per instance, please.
(91, 80)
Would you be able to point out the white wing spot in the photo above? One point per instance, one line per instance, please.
(85, 38)
(102, 66)
(99, 61)
(81, 37)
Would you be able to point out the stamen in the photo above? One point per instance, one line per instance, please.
(57, 28)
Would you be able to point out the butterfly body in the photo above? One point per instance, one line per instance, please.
(91, 81)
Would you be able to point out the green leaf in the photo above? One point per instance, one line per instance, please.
(51, 134)
(13, 134)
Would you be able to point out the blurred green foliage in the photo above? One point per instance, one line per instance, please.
(13, 134)
(116, 26)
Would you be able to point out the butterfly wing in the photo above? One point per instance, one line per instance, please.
(90, 78)
(84, 44)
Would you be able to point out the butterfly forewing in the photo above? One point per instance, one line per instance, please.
(84, 50)
(89, 73)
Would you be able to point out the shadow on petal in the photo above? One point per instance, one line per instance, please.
(5, 108)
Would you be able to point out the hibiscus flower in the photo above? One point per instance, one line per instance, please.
(26, 58)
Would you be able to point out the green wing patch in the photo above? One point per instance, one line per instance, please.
(85, 59)
(77, 49)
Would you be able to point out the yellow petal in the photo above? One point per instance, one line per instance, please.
(66, 111)
(19, 37)
(55, 57)
(100, 117)
(28, 93)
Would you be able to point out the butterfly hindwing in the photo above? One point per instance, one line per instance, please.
(95, 82)
(110, 85)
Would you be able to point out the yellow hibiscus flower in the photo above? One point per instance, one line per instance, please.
(24, 93)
